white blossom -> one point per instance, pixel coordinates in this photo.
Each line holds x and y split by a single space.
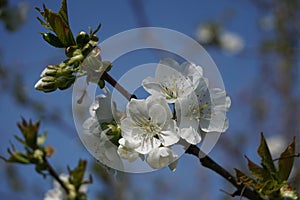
126 150
149 124
100 111
58 193
170 80
161 157
208 114
231 42
95 137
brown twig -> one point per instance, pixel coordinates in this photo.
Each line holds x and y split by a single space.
116 85
53 173
207 162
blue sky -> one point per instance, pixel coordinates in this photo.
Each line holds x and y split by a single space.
25 50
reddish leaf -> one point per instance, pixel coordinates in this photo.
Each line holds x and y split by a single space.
286 161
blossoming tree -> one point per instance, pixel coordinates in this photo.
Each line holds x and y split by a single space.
182 109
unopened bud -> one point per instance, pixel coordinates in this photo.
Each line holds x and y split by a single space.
64 82
45 86
38 154
82 38
50 70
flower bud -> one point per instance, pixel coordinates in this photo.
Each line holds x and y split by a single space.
64 82
70 50
49 150
50 70
82 38
45 86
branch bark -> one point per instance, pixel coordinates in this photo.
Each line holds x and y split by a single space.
209 163
53 173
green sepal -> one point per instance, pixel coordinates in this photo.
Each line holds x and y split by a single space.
114 132
101 83
96 30
52 40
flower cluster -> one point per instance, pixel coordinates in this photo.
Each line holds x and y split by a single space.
181 108
83 56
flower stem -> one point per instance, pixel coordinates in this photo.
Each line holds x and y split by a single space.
207 162
53 173
116 85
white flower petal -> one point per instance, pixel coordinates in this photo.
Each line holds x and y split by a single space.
161 157
170 81
169 62
153 100
128 144
191 135
147 145
126 126
193 72
137 108
126 151
155 121
152 86
92 126
158 114
169 135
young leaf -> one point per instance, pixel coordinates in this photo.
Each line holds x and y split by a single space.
63 11
58 23
266 158
261 174
61 29
77 174
286 161
52 40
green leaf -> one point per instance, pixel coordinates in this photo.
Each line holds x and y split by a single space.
261 174
266 158
58 23
20 140
44 24
61 29
17 157
52 40
286 161
63 11
77 174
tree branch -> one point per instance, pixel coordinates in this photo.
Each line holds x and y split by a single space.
116 85
55 175
207 162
